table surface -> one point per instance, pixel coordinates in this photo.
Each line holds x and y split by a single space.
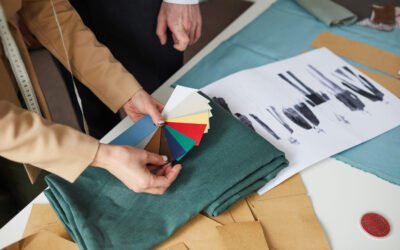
340 193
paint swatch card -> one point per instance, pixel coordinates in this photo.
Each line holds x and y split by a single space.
187 118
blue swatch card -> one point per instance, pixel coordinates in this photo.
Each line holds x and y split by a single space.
136 133
174 146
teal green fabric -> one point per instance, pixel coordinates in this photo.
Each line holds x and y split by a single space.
328 12
286 30
101 213
379 156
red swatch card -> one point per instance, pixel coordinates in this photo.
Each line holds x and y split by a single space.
191 130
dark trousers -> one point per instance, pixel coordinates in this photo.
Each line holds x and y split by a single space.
128 29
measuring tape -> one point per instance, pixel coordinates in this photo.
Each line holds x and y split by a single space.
17 65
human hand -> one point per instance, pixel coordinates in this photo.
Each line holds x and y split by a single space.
134 167
142 104
184 21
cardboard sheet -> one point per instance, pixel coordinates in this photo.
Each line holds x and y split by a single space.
43 217
288 218
240 212
292 186
44 231
290 223
43 240
199 233
179 246
243 235
363 53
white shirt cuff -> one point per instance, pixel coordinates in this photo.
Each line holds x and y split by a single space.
182 1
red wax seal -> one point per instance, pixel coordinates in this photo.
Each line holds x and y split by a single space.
375 224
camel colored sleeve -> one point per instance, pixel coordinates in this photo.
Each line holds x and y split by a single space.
28 138
91 62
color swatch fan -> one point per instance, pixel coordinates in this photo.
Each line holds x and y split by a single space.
187 115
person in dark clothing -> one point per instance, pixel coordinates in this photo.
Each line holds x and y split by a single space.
146 36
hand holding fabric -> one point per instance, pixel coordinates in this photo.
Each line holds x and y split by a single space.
184 21
136 168
143 104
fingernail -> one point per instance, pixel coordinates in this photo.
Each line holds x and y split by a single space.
165 158
160 122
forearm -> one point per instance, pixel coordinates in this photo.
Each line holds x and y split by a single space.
28 138
91 62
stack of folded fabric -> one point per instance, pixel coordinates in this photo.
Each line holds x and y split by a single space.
101 213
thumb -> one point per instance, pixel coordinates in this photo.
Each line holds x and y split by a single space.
181 39
156 159
155 115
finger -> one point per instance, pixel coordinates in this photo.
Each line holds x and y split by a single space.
153 169
158 170
198 31
155 191
192 34
161 30
166 180
181 38
156 160
155 115
163 170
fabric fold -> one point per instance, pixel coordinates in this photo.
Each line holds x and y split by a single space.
328 12
101 213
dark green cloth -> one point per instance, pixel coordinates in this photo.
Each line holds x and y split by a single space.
230 163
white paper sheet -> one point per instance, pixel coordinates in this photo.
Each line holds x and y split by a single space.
331 117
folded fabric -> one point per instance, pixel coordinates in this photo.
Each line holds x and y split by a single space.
328 12
101 213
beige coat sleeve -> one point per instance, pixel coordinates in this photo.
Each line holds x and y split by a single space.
91 62
28 138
